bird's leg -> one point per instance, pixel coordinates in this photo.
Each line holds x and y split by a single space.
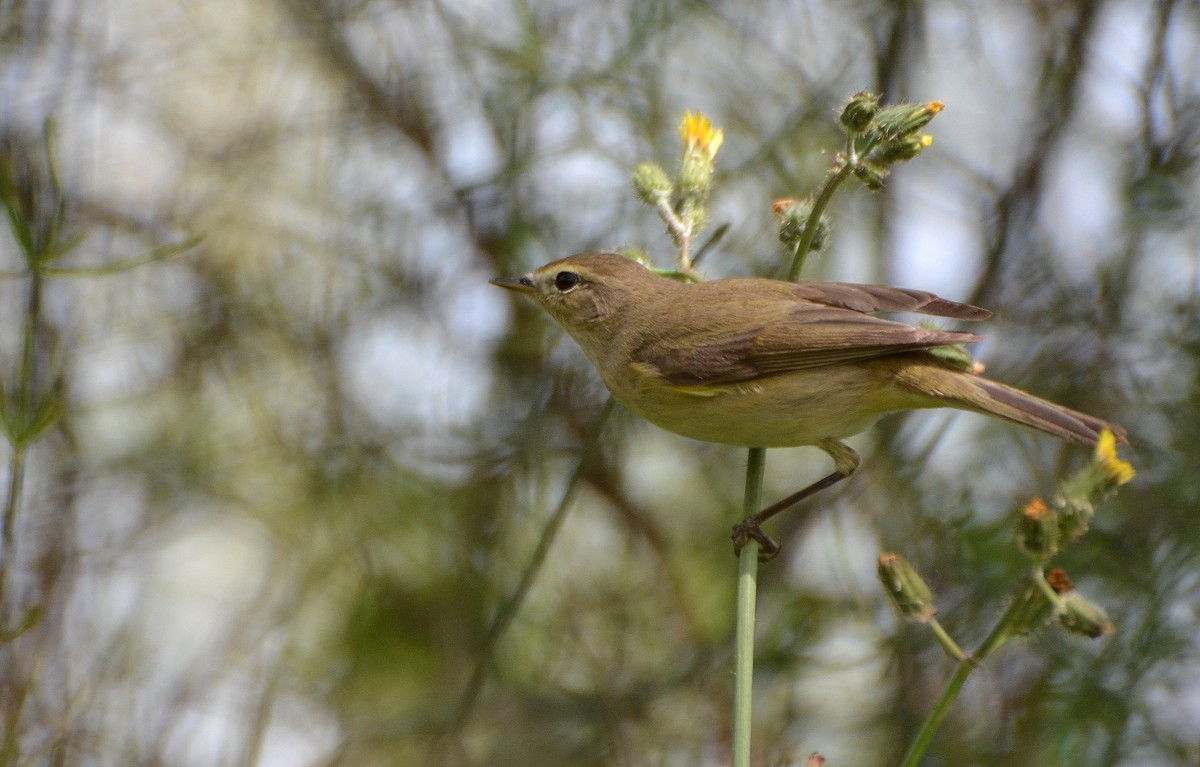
845 462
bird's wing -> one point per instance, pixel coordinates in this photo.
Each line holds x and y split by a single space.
806 335
869 299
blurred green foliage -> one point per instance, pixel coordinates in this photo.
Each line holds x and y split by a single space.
295 471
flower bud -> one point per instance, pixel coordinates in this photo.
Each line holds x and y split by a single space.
871 175
1079 495
1038 530
901 149
695 177
781 206
793 218
651 183
860 111
1059 580
1081 617
907 590
1031 612
905 119
700 144
1074 515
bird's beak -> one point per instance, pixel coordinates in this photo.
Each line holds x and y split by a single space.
518 284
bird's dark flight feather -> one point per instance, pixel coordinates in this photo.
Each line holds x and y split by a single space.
820 324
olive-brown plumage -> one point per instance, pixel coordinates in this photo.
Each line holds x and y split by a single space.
767 363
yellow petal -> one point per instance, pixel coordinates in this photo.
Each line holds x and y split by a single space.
698 135
1106 456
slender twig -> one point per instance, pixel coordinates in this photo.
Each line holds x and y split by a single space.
158 254
508 611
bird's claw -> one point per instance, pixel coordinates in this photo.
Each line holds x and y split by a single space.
747 529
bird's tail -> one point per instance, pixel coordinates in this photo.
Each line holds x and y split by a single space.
1017 406
972 392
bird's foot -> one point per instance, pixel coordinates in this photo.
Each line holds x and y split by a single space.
749 529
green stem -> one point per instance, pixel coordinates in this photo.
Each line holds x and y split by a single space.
743 660
1000 635
814 219
929 729
20 415
158 254
747 590
680 233
1039 579
8 547
947 642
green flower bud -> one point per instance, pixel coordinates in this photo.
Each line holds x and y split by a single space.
1038 530
793 218
695 176
1032 611
905 119
1074 515
1081 617
860 111
700 144
871 175
907 590
901 149
652 183
1089 486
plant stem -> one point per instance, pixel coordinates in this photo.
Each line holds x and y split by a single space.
947 642
680 232
21 415
8 545
743 659
814 218
747 590
998 636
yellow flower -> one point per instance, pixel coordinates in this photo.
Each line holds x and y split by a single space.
699 137
1114 468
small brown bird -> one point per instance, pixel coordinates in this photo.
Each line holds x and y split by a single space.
769 363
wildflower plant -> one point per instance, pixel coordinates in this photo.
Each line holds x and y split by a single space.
877 137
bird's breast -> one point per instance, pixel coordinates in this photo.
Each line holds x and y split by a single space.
798 408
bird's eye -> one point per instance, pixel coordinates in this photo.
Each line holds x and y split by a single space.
564 281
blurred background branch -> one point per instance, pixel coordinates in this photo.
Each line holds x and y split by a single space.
293 471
